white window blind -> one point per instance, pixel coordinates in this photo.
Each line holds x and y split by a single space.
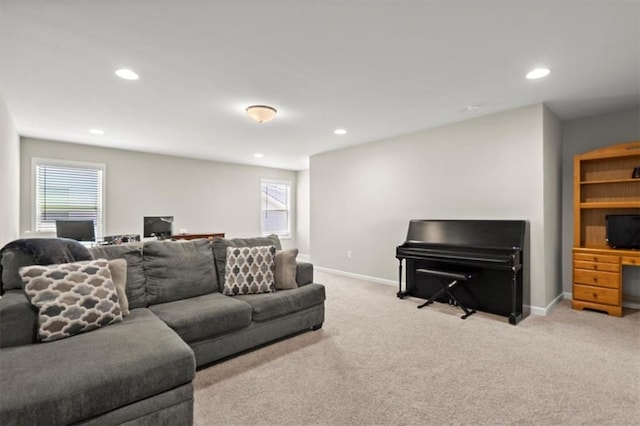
65 191
275 208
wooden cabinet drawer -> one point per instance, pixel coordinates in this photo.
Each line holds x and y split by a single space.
596 278
596 294
608 267
588 257
630 260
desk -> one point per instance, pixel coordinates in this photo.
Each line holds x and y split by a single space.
210 237
597 278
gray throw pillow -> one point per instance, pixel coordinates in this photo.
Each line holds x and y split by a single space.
286 269
118 269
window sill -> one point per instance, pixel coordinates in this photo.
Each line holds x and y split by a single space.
280 236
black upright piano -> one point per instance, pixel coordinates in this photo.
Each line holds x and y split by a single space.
493 252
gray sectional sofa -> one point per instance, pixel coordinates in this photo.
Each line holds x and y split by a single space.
139 370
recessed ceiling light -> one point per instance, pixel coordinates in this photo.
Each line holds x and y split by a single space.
258 155
127 74
340 131
96 132
538 73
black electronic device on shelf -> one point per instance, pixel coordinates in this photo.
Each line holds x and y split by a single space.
623 231
160 227
79 230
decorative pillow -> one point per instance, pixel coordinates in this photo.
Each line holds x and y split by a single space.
220 246
71 298
286 269
118 269
250 270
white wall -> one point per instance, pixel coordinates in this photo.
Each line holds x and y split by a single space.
203 196
579 136
492 167
552 175
303 226
9 177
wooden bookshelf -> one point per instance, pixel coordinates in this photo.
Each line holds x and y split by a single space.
602 186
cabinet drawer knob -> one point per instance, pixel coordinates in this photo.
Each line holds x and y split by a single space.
595 267
595 295
595 279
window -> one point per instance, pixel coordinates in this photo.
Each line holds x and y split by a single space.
67 191
275 205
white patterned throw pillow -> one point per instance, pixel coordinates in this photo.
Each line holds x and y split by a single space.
249 270
71 298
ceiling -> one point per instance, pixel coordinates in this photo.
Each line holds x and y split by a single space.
375 68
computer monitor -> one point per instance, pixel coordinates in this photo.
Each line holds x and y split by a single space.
160 227
79 230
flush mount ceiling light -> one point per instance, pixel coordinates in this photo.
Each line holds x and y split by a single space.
538 73
258 155
340 131
261 113
127 74
96 131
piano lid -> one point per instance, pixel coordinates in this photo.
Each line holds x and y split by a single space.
499 234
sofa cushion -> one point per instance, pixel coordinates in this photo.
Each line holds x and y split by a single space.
286 269
132 253
220 250
71 298
268 306
69 380
18 319
178 270
36 251
202 317
250 270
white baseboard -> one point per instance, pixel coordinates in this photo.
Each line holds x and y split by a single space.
357 276
632 302
536 310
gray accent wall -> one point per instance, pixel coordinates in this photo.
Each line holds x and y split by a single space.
579 136
9 177
203 196
491 167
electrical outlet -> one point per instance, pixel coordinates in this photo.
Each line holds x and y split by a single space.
349 254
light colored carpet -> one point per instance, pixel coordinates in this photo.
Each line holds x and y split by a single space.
379 360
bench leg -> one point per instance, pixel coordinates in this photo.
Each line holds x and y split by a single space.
445 290
467 312
438 294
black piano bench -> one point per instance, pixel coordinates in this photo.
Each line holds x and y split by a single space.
454 278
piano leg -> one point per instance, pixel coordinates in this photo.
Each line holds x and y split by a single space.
400 294
514 317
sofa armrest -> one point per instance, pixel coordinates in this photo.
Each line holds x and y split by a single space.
304 273
18 320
